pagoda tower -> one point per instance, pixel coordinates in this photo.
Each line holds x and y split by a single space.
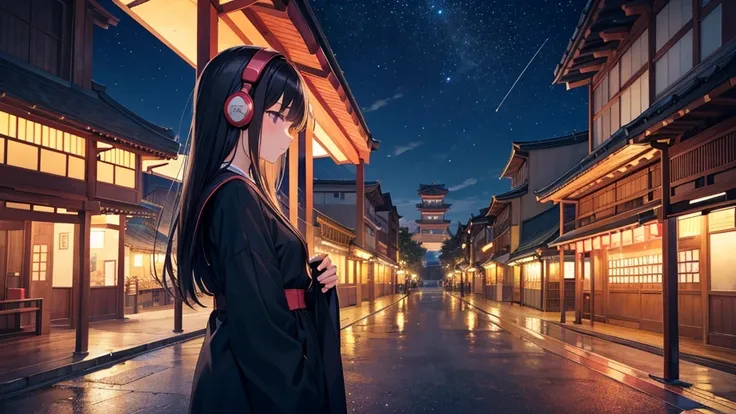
433 225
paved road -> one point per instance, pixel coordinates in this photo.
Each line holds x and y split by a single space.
429 353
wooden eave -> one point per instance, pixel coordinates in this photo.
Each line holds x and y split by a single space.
288 28
602 27
516 160
59 121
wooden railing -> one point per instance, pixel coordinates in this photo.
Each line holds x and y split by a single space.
18 307
710 156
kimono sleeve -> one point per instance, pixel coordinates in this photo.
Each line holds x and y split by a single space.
261 326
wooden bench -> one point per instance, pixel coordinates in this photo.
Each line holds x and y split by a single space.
21 306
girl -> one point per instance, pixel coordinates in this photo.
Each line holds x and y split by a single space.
265 350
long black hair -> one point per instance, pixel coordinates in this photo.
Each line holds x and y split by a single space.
211 140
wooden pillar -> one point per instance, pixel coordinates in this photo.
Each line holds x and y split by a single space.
360 204
294 182
82 335
579 280
670 322
561 271
592 287
669 300
309 188
543 286
120 311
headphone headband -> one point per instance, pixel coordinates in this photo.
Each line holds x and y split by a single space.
239 106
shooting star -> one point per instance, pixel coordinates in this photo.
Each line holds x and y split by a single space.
521 74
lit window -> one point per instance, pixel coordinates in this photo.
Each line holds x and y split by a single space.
138 260
688 226
97 239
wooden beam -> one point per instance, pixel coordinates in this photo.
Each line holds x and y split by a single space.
610 35
234 27
637 8
592 68
608 53
309 186
320 73
270 10
262 28
301 25
232 6
135 3
576 84
360 204
206 34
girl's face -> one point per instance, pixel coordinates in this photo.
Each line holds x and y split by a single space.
275 135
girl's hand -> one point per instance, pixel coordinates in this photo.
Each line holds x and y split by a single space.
328 278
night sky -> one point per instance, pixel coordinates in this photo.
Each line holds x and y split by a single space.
428 75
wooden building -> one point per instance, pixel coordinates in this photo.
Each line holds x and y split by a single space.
370 271
521 268
70 169
655 232
198 30
432 226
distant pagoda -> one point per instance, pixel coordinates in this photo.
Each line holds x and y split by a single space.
433 227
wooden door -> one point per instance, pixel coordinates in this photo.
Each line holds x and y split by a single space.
41 261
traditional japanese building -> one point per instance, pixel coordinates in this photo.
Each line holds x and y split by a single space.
368 268
521 268
70 171
654 230
433 225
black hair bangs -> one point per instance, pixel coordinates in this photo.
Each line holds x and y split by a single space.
288 85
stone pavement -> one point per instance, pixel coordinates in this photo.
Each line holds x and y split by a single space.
28 361
708 382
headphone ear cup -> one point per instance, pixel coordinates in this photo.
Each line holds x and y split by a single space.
239 109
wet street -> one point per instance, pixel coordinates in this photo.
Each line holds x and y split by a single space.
428 353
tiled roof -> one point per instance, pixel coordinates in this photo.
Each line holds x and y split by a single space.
513 193
141 234
89 108
537 231
432 189
640 215
718 68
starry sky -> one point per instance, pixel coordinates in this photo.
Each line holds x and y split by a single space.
428 74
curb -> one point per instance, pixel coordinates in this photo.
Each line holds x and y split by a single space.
683 399
28 383
717 364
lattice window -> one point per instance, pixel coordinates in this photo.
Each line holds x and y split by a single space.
688 266
39 262
116 166
34 146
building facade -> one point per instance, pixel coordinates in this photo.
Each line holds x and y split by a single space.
433 225
654 220
370 269
521 268
70 166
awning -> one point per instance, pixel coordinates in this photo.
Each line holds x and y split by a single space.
640 215
291 28
536 233
112 207
141 235
86 110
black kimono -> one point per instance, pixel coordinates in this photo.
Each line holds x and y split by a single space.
258 355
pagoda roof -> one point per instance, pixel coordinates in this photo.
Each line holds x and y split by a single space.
432 190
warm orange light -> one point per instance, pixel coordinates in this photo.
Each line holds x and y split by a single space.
486 247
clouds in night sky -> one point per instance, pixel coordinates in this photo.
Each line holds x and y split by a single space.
408 147
382 102
467 183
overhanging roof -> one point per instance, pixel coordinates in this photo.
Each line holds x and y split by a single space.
536 232
520 149
291 29
48 96
141 234
601 28
707 84
432 190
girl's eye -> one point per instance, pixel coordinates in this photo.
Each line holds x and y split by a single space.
275 116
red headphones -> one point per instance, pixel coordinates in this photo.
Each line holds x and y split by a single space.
239 106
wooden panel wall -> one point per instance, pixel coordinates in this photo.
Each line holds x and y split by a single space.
61 305
722 319
102 302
